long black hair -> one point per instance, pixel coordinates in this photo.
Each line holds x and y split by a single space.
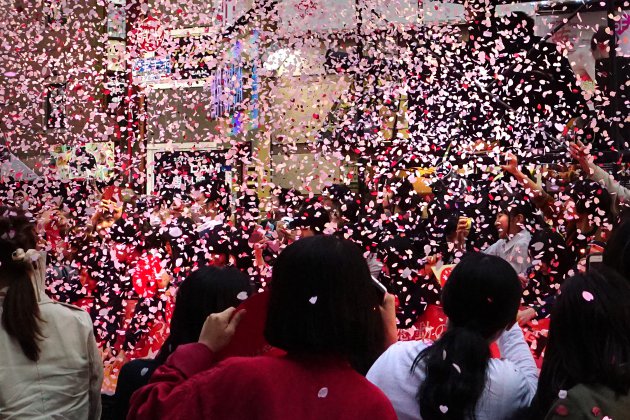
480 298
206 291
589 337
323 302
20 311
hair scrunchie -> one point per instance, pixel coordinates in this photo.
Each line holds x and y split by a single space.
21 255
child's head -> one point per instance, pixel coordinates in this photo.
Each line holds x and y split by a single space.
514 214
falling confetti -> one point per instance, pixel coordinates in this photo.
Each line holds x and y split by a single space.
149 141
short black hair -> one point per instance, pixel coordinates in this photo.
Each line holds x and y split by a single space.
515 203
405 196
549 247
128 231
323 302
404 279
206 291
591 198
338 192
600 37
313 216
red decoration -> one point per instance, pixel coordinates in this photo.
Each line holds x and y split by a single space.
149 35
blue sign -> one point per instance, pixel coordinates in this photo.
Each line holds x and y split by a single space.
151 69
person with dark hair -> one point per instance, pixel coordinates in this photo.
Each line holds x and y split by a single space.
611 98
312 219
180 242
455 378
402 205
581 153
109 265
49 363
208 290
402 275
551 261
514 214
216 244
617 251
585 371
589 217
333 197
324 311
211 200
64 282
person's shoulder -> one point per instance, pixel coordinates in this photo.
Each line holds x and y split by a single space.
139 365
251 365
504 374
138 368
68 311
376 403
400 355
594 401
406 349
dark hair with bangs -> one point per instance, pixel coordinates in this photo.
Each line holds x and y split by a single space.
206 291
323 302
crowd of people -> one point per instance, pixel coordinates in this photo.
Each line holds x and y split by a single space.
534 307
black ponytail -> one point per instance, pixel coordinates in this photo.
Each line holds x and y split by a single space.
20 312
455 369
480 298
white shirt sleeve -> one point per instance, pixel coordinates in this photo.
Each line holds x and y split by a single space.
392 374
611 184
374 265
514 348
495 248
519 257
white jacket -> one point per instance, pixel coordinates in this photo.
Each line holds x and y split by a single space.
66 381
510 385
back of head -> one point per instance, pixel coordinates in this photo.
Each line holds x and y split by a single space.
617 252
517 202
592 199
338 192
20 313
482 294
206 291
402 277
480 298
550 248
351 210
589 336
405 197
323 302
313 216
600 40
